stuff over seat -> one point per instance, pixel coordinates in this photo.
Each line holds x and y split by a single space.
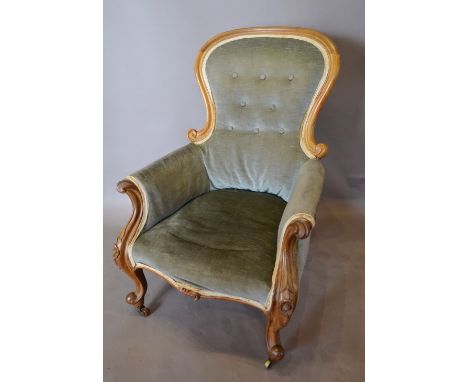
229 215
237 261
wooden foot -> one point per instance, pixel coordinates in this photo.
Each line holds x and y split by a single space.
132 300
286 289
274 348
121 257
137 298
276 353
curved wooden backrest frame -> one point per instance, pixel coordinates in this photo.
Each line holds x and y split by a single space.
285 281
332 59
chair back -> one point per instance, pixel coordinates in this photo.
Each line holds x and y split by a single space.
263 88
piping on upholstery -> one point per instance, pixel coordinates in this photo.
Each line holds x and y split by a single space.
311 104
202 292
144 217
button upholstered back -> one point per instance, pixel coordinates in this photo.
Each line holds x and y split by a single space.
263 84
262 87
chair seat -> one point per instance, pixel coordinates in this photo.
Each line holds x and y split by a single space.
223 241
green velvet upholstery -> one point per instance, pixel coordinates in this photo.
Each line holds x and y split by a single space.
262 88
205 226
223 241
264 82
172 181
303 201
266 162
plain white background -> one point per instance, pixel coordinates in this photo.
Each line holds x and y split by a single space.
51 198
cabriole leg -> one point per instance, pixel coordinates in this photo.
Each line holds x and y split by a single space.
286 289
136 298
274 348
125 237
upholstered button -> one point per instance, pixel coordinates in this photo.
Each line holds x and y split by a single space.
290 77
273 107
256 130
263 76
243 103
234 75
281 130
230 128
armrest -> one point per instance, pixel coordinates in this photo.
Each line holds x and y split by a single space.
293 243
302 205
170 182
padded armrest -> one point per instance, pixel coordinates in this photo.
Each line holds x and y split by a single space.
170 182
303 203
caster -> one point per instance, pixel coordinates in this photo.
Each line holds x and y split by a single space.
268 363
144 311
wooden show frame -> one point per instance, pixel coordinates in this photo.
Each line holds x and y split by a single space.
285 283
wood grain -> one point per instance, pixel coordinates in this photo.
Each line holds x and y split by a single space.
126 236
286 286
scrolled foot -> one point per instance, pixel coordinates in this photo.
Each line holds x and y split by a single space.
276 353
138 304
132 299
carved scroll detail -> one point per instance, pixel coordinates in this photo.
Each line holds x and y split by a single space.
117 250
192 135
307 137
125 237
319 150
196 296
286 287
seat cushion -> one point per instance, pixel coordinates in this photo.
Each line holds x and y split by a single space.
222 241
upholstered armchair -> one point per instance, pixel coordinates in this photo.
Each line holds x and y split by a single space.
229 215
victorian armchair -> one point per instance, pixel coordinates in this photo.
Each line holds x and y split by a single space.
229 215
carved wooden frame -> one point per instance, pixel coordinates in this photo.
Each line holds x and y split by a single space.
307 135
284 290
285 286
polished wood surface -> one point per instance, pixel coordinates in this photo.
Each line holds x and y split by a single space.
286 283
307 134
135 270
126 236
286 287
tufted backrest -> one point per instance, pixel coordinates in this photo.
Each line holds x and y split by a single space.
260 86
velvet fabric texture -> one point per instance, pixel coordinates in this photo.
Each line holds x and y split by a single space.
303 202
204 226
172 181
266 162
262 88
223 241
263 82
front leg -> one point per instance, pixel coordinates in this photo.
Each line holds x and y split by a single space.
286 288
128 233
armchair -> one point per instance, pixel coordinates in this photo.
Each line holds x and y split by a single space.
229 215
